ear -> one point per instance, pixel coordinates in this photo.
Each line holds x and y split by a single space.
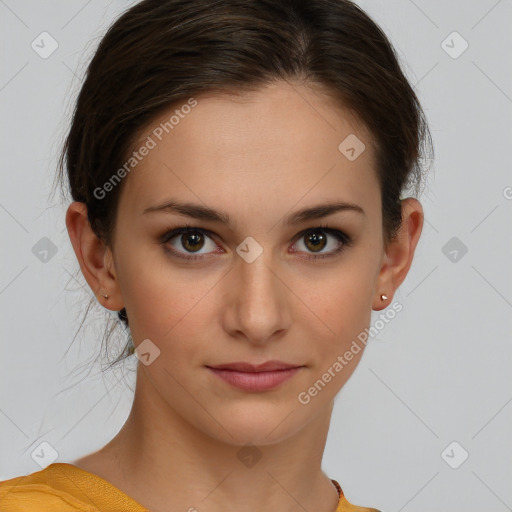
399 253
95 258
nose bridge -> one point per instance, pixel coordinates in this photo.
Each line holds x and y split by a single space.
255 272
258 297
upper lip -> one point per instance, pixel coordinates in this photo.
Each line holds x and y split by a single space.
267 366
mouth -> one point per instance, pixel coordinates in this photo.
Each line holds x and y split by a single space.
255 378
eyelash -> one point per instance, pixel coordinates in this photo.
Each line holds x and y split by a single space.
342 237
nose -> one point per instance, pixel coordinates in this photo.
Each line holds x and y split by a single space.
258 300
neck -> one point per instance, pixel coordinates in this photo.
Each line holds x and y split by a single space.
165 463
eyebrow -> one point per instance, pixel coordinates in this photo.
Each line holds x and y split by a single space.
197 211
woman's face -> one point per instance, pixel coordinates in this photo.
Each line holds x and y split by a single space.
268 285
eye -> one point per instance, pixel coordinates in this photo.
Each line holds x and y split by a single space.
316 239
192 240
190 243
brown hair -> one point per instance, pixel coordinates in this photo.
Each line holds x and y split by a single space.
161 52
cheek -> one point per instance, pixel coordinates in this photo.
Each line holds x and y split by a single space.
163 302
342 311
342 298
344 308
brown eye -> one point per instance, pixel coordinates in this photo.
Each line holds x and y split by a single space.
316 241
187 242
193 241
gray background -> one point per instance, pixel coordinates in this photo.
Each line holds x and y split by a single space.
439 372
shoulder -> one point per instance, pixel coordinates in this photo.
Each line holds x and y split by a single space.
345 506
63 487
37 491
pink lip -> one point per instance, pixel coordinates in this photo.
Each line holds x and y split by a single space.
242 366
255 377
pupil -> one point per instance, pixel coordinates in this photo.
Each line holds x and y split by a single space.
317 240
196 240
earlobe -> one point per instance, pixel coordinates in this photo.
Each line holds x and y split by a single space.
399 253
91 253
381 303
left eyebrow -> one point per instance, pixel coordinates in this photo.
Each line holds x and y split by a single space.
198 211
322 210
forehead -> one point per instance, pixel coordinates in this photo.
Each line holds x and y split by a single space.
271 147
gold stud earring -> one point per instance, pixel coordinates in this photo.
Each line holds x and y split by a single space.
383 298
105 295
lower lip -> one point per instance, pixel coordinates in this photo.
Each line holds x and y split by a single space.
255 381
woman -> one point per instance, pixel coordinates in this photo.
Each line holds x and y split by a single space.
236 168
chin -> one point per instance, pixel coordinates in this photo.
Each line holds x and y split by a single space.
260 425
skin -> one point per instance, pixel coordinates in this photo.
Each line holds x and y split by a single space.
259 157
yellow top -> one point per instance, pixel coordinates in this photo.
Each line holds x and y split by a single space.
62 487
